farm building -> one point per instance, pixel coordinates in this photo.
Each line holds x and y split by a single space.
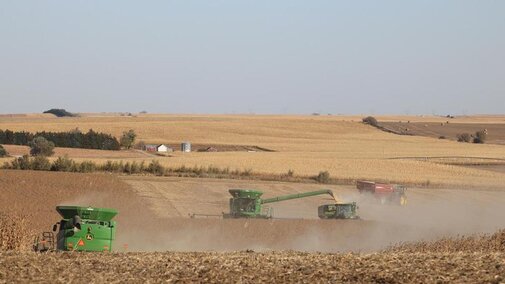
164 148
185 146
157 148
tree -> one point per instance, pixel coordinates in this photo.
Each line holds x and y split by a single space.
128 139
323 177
59 112
3 152
41 147
464 137
370 120
480 137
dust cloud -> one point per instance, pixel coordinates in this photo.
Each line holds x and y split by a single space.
430 214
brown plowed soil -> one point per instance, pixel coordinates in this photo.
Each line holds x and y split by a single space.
448 129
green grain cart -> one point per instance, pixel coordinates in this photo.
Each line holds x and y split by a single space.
247 203
338 211
80 229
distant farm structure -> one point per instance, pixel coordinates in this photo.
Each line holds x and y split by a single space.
186 146
157 148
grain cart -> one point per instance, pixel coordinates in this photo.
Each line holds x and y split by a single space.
384 193
247 203
338 211
80 229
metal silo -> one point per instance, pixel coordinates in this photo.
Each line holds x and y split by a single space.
186 146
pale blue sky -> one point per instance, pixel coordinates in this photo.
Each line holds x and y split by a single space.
349 57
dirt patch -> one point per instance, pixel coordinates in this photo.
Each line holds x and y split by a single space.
447 129
221 148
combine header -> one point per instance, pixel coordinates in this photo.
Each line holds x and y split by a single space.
80 229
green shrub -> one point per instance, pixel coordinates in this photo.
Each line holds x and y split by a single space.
113 167
247 172
62 164
156 168
3 152
464 137
40 163
323 177
22 163
87 167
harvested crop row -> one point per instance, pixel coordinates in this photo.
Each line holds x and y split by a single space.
250 267
483 243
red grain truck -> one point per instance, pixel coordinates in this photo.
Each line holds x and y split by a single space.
383 192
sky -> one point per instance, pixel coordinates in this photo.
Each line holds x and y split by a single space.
264 57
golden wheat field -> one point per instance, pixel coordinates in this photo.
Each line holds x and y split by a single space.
342 145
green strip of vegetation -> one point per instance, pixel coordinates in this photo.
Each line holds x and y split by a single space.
65 164
70 139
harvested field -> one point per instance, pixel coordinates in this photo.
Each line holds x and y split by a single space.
430 214
151 207
475 243
36 194
153 221
246 267
343 146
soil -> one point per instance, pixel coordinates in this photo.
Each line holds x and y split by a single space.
450 130
221 148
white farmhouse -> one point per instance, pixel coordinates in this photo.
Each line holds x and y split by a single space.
163 148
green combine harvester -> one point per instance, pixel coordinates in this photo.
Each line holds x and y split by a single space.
80 229
247 203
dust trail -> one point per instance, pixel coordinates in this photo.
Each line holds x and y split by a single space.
429 215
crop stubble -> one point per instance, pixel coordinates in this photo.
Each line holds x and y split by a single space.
306 144
459 261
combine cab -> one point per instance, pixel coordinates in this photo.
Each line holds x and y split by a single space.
81 229
338 211
384 193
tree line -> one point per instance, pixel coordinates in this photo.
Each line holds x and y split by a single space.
70 139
